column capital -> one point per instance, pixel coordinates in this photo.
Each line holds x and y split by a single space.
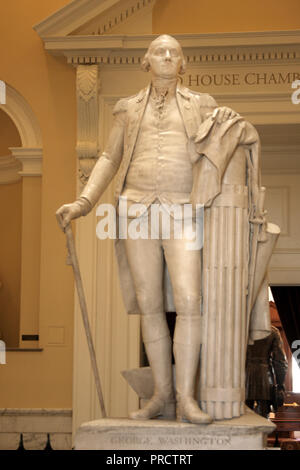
30 158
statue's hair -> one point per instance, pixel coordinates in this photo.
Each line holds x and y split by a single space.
145 62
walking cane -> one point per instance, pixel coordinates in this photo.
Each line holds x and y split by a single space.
73 260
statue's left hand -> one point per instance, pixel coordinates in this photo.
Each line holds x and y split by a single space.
223 113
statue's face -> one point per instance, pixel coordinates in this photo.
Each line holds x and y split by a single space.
165 58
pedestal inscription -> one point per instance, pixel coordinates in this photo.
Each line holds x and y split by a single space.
245 433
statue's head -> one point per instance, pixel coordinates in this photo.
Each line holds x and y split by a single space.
164 57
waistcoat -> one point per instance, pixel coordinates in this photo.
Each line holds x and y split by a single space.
160 168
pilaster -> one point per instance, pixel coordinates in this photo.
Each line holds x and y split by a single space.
87 90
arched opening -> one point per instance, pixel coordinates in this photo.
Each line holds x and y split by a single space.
20 196
10 233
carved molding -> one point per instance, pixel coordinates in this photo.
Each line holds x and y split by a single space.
23 117
79 13
206 49
36 426
31 160
87 88
122 12
25 160
72 16
9 170
193 58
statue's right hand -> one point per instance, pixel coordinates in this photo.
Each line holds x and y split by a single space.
66 213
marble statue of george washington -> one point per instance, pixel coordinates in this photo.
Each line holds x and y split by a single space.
174 146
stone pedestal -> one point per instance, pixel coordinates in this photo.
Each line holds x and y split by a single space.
247 432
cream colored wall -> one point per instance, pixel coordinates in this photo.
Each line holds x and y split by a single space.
43 379
10 241
31 249
205 16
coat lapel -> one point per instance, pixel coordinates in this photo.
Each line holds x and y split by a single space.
136 108
135 117
185 106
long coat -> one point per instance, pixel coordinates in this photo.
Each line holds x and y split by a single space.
128 113
216 144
